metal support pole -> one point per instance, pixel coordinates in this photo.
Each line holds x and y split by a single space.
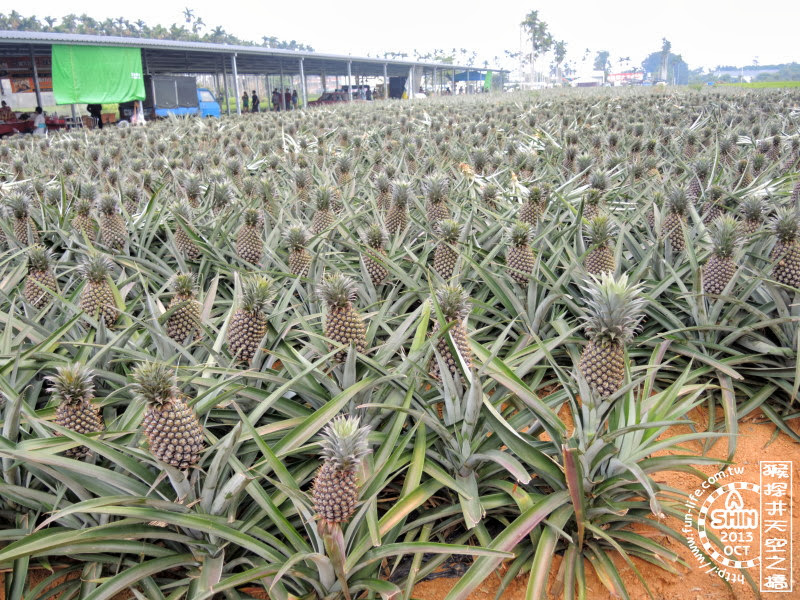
35 78
282 96
350 80
225 84
324 79
468 81
303 84
385 82
411 82
268 95
236 85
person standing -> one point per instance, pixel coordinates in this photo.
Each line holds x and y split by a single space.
287 100
255 102
39 124
276 100
96 110
245 102
294 99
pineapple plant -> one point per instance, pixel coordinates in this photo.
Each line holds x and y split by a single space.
183 223
40 282
445 256
184 322
436 191
714 206
343 324
73 387
720 267
600 257
532 209
397 217
520 258
335 488
454 306
344 170
383 186
82 222
752 210
24 227
701 170
193 188
113 232
375 238
591 205
614 309
248 324
97 298
173 431
786 252
323 218
302 184
249 245
675 220
296 238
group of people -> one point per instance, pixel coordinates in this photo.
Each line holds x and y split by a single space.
280 101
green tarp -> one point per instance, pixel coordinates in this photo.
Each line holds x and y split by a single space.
97 74
487 82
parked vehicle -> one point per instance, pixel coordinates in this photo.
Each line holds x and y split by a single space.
172 95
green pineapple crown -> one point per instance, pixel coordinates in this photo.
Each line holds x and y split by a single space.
192 186
601 230
337 290
344 443
256 295
181 210
183 284
536 194
752 208
436 188
73 383
96 267
786 226
702 168
520 234
19 204
449 231
108 205
296 237
598 181
453 301
489 192
725 235
375 236
401 193
344 164
88 191
593 197
678 203
382 183
614 308
253 218
83 207
39 258
324 198
302 178
154 382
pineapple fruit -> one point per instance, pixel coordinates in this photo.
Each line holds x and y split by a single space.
248 325
173 431
185 321
183 223
397 217
614 310
40 283
113 232
520 258
786 252
675 220
343 324
752 211
445 256
24 227
532 209
600 257
720 268
375 238
436 191
73 387
97 298
335 489
82 222
323 218
249 245
296 238
454 305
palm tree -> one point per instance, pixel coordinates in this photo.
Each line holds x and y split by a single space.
539 36
50 22
560 53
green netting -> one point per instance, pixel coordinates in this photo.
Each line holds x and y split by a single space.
97 74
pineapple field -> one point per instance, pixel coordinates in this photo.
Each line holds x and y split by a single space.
330 354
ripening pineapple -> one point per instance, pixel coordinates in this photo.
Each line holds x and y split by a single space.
82 222
436 191
533 208
173 432
185 321
720 267
344 170
489 195
714 206
97 298
454 305
445 256
397 217
520 258
786 228
248 324
591 204
323 218
335 488
302 184
73 387
614 310
24 227
375 239
675 220
343 325
113 232
384 191
249 245
296 238
697 179
193 188
183 223
600 257
744 174
752 210
40 283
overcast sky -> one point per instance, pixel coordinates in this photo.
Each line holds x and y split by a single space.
705 32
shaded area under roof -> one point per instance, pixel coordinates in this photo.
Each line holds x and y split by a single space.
169 56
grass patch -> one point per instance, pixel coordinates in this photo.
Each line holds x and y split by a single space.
764 84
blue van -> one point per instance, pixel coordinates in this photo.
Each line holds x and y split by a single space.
173 95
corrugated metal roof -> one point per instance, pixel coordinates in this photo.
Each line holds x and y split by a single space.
39 37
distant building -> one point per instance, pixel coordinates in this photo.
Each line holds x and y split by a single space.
626 78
